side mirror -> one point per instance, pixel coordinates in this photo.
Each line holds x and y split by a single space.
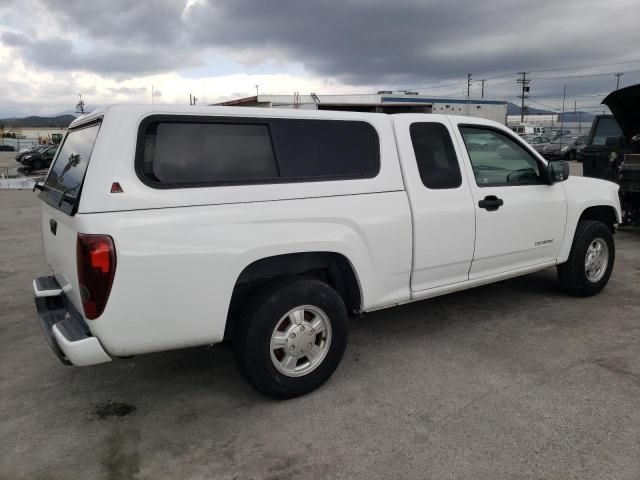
557 171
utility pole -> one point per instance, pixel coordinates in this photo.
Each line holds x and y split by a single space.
564 95
80 105
256 90
152 95
482 94
580 122
618 75
468 84
192 100
525 90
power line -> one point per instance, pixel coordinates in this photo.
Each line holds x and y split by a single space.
583 67
508 74
604 74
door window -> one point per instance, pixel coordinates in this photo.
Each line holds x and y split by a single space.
499 160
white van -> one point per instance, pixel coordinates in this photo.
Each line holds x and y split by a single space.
525 129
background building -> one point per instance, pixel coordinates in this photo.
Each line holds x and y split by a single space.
383 102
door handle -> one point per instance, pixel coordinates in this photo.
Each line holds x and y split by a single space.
491 203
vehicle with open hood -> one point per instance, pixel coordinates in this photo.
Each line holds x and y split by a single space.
613 148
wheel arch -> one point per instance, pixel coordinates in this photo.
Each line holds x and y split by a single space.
332 267
601 212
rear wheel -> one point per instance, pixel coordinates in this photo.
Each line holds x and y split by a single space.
590 262
291 337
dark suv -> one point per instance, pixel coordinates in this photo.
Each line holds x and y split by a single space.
613 148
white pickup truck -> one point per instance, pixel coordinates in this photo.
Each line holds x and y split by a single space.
171 227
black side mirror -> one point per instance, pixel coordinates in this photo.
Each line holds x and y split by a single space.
557 171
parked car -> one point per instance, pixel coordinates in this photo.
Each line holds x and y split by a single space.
29 150
559 133
580 148
564 148
538 142
180 226
613 148
7 148
39 159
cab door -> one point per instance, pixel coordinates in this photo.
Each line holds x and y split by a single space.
442 207
520 218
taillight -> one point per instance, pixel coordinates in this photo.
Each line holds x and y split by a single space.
96 259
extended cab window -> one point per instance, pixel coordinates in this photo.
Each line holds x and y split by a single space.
498 159
435 155
219 151
64 182
200 152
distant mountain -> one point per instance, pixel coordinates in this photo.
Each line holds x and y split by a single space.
59 121
513 109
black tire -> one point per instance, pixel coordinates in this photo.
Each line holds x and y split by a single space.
258 320
37 165
572 274
571 156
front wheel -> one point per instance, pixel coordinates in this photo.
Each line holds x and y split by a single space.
590 262
291 337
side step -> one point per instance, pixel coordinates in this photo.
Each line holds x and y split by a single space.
46 287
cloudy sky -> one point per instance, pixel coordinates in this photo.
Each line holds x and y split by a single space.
115 51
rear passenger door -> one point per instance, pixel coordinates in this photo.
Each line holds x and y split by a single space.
441 203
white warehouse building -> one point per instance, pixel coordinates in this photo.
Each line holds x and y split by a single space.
384 102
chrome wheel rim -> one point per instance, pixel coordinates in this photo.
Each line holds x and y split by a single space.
596 260
300 341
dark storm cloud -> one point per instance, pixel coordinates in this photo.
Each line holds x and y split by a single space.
118 38
405 42
14 39
376 42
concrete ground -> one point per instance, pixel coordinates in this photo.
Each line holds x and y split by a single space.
8 159
512 380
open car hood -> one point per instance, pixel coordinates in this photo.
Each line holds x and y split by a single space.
625 106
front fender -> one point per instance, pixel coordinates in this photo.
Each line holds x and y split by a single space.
583 193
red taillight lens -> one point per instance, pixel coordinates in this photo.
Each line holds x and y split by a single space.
96 259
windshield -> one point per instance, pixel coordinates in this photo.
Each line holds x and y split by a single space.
63 184
606 128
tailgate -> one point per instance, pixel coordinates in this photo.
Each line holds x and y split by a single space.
61 195
59 235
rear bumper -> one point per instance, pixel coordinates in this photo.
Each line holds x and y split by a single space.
65 330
